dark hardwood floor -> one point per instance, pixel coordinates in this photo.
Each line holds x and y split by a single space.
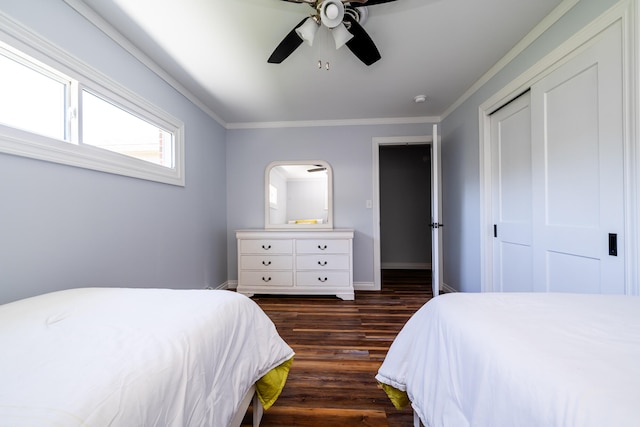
339 347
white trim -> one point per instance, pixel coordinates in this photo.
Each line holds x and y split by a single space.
448 289
375 172
26 144
229 284
364 286
93 17
631 55
536 32
625 11
334 123
90 15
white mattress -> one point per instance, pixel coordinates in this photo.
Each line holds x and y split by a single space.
132 357
521 360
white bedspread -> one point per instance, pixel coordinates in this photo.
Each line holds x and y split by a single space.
504 360
132 357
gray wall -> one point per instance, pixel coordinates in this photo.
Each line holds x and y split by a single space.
348 149
460 153
64 227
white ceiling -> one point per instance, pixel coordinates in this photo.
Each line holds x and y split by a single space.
218 50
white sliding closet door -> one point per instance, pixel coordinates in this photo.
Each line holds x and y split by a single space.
578 192
512 196
558 178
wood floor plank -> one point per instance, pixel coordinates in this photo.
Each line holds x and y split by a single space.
339 347
307 417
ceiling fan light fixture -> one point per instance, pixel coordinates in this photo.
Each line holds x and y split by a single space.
331 13
308 30
341 35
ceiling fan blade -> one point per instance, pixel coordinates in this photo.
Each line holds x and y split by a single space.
361 44
369 2
286 46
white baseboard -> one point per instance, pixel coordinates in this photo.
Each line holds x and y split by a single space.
364 286
225 285
405 266
448 289
358 286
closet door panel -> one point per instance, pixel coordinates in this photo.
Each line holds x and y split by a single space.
577 155
512 208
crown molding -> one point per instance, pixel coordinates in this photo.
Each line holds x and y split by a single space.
532 36
99 22
336 123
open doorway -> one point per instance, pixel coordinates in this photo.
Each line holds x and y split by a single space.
405 207
403 237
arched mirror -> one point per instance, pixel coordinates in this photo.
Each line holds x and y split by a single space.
298 194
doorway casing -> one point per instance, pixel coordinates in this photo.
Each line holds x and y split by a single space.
377 142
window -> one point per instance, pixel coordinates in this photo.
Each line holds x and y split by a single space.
110 127
33 99
81 117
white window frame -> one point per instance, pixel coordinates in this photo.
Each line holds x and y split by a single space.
71 151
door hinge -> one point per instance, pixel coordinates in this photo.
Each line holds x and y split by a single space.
435 225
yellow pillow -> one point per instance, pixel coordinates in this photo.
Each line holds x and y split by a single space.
306 221
270 386
399 398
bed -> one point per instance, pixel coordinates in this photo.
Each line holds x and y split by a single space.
137 357
510 359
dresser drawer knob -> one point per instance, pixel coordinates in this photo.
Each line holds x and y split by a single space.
266 248
266 263
322 280
322 263
266 279
322 247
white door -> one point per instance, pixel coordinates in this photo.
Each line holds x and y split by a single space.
436 226
578 192
558 178
512 196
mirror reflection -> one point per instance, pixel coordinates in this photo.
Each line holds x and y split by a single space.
298 194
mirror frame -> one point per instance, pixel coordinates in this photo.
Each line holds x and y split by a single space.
267 215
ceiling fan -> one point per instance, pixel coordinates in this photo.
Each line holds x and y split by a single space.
344 18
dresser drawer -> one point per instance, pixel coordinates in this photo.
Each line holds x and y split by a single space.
265 278
322 278
323 262
319 246
266 262
295 262
266 246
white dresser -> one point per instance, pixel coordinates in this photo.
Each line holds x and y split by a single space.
296 262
